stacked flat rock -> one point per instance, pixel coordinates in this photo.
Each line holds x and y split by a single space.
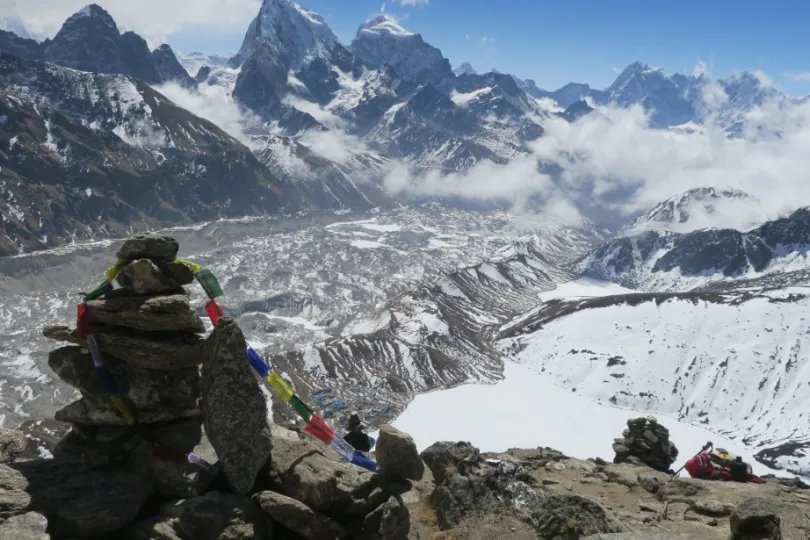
151 342
646 442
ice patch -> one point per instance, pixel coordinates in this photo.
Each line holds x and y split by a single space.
584 288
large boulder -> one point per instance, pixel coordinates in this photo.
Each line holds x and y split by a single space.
28 526
59 332
561 517
445 458
768 519
12 445
149 246
391 521
298 517
142 388
214 516
166 351
176 478
645 442
143 276
397 454
235 410
459 496
299 470
99 413
163 313
76 502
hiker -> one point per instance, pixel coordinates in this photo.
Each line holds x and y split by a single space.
720 465
356 435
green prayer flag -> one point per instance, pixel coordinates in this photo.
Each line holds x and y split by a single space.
301 408
209 283
100 291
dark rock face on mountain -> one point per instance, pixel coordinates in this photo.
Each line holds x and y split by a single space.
577 110
284 36
107 151
664 95
90 41
711 253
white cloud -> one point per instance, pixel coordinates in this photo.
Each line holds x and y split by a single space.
333 145
327 118
487 39
802 76
153 19
213 104
616 149
412 2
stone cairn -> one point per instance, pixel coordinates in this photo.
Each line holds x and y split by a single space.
645 442
190 395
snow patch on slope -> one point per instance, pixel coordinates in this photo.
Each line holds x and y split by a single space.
527 410
738 366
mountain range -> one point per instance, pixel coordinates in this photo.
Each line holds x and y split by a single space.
387 98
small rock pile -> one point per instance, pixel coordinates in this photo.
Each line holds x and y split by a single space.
189 393
645 442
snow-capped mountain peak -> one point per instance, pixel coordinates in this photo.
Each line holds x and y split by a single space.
384 25
289 31
700 208
383 40
90 11
465 69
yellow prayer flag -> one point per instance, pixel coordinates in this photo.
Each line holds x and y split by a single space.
123 409
280 386
194 267
112 271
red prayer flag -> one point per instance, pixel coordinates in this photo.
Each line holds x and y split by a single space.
214 311
318 429
83 321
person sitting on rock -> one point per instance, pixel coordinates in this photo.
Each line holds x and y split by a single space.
356 435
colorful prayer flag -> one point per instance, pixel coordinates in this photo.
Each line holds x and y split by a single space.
318 429
214 311
194 267
209 283
112 272
99 291
343 448
95 353
123 409
284 391
83 321
301 408
258 364
107 379
361 460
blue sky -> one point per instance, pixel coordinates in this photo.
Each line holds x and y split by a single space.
550 42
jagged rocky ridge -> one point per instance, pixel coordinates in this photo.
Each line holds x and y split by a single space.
299 79
89 40
85 154
661 260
